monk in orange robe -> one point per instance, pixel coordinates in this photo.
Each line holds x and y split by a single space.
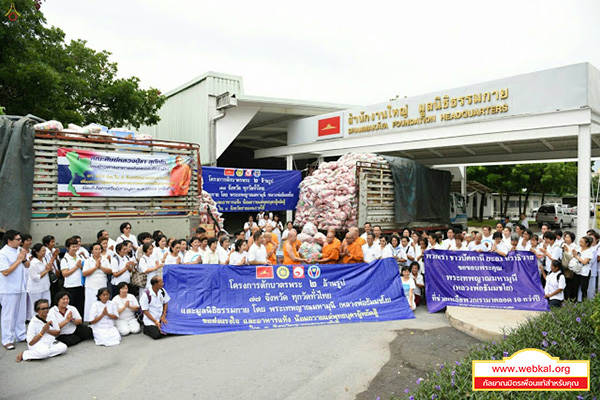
290 252
352 252
271 248
181 175
356 234
331 249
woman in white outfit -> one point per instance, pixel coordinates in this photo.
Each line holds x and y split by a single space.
149 265
41 335
126 304
105 314
38 282
95 270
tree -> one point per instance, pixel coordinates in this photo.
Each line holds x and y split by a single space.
40 74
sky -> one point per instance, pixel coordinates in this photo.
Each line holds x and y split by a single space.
356 53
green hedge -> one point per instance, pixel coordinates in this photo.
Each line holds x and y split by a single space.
570 333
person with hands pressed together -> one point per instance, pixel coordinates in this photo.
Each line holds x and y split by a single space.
154 302
149 265
127 305
352 251
69 321
331 249
555 284
38 284
552 251
41 335
71 266
95 269
290 251
105 314
13 296
121 267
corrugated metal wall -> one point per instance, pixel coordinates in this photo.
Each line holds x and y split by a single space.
186 115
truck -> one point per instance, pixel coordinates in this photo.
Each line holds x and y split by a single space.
63 217
376 201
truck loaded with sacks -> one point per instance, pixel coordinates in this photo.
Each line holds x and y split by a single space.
391 192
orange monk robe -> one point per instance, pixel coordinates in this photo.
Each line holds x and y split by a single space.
273 259
360 240
297 244
356 253
287 259
180 180
332 251
274 240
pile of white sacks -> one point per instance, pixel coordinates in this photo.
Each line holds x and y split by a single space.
328 196
208 204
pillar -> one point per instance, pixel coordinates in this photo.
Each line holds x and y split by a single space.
584 165
289 160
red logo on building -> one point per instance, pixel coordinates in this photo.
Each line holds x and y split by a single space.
329 126
264 272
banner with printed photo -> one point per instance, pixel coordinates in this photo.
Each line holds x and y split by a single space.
223 298
489 280
243 189
97 174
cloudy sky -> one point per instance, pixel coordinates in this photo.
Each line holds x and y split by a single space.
332 51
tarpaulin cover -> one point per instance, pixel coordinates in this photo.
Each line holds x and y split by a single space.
489 280
421 193
222 298
16 173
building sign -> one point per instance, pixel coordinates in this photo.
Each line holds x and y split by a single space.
393 116
243 189
330 127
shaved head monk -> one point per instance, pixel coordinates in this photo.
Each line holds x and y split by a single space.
290 253
331 249
352 251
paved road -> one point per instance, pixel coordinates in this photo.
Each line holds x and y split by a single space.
327 362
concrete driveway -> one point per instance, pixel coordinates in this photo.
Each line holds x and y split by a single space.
328 362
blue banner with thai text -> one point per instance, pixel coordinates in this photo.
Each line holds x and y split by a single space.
488 280
223 298
242 189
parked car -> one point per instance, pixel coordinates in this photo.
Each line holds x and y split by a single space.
553 215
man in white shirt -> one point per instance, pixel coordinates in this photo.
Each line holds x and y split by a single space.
507 223
153 303
377 233
367 227
555 285
523 221
111 245
407 251
248 227
371 249
449 241
13 296
478 245
257 254
487 236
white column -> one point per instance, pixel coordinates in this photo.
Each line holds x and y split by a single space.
289 160
463 182
584 165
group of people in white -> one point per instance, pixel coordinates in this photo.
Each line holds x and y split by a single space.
115 287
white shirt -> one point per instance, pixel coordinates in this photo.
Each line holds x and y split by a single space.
127 314
155 306
159 253
105 322
98 278
487 240
15 282
418 281
236 257
525 223
586 268
73 280
520 246
35 282
503 248
552 284
449 243
481 246
371 253
56 317
82 253
223 254
171 259
556 253
192 256
48 257
594 262
249 227
210 257
463 247
131 238
405 252
257 253
146 263
118 263
387 251
35 328
109 244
